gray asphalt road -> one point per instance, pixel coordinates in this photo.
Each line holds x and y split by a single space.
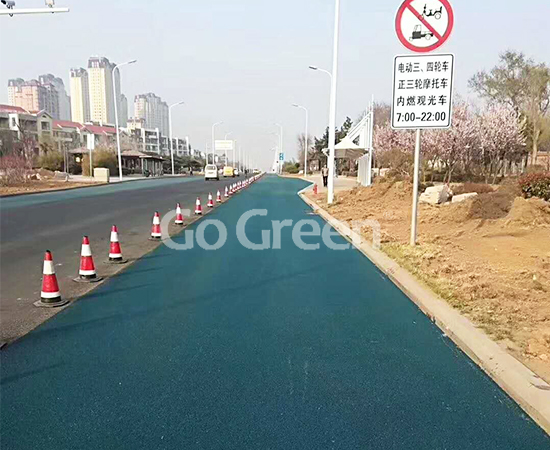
56 221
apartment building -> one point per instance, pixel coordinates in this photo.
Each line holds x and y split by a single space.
62 103
80 95
153 110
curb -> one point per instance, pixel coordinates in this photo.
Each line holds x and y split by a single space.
526 388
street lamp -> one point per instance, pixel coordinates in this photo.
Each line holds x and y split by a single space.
281 146
332 113
321 70
213 144
306 138
226 136
115 99
170 124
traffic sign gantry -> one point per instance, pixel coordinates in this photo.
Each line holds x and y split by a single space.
424 25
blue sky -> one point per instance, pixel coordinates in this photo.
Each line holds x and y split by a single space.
245 62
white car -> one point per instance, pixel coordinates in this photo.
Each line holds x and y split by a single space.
236 172
211 172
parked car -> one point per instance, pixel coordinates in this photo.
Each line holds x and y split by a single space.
228 171
211 172
236 171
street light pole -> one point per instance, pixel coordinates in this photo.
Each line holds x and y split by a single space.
306 138
226 136
332 117
115 99
281 150
213 144
170 125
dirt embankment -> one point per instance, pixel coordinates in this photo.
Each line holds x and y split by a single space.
489 257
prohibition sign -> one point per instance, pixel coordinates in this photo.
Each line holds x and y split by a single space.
424 25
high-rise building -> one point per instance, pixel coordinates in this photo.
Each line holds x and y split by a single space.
123 111
31 95
45 94
14 86
62 103
80 96
100 77
153 110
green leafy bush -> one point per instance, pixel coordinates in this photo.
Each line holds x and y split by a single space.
101 157
536 184
51 160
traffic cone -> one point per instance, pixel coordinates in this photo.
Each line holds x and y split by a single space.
87 273
210 203
226 194
115 252
50 297
218 197
179 215
155 229
198 207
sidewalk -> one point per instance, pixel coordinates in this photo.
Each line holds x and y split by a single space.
341 183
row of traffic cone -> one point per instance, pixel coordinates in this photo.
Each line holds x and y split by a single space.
50 295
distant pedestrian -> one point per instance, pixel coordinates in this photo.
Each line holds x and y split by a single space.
324 173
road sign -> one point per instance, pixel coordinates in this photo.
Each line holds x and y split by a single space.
422 91
281 156
224 146
424 25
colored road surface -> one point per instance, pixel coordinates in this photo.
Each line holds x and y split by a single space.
242 349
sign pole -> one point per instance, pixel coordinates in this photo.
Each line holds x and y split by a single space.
414 219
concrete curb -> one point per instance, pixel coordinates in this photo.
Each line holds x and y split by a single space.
530 391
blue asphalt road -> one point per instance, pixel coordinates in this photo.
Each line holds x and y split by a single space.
242 349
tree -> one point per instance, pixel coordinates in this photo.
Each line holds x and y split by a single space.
500 138
522 84
301 148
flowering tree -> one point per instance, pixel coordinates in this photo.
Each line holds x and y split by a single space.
500 138
394 149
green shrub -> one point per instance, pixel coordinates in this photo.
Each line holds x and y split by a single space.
101 157
51 160
292 169
536 184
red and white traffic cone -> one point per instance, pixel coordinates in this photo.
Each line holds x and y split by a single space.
179 215
231 189
87 273
226 194
156 234
218 197
210 203
198 207
50 296
115 252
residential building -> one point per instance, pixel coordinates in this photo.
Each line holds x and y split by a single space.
29 95
100 78
80 95
14 86
123 111
63 102
45 94
18 125
153 110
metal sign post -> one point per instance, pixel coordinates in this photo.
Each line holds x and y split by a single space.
422 84
90 141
